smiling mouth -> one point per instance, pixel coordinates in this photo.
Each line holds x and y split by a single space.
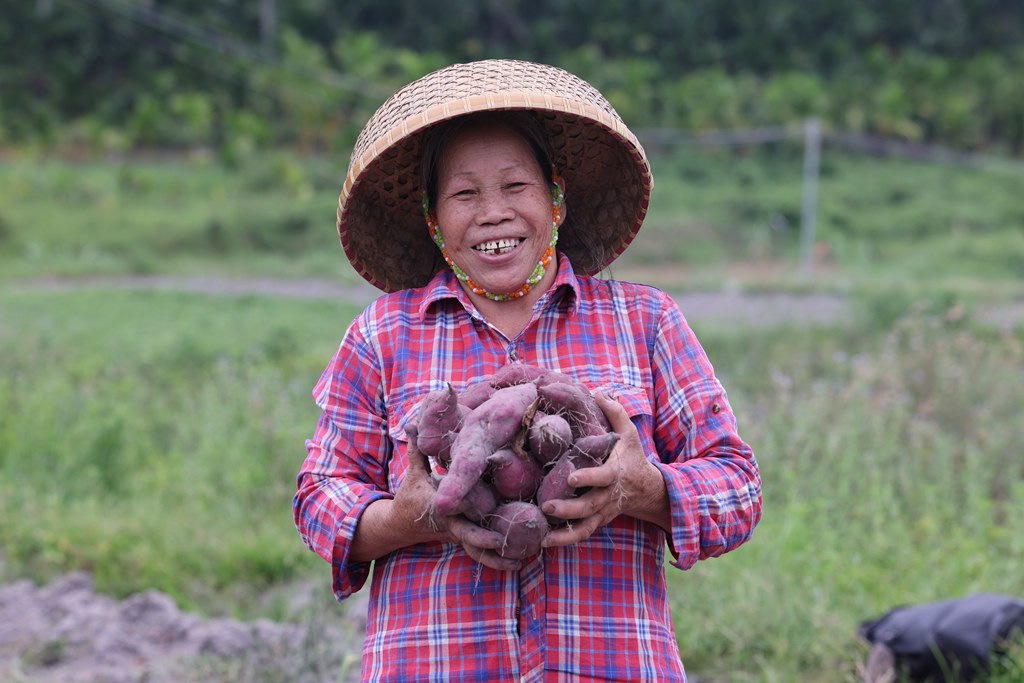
497 247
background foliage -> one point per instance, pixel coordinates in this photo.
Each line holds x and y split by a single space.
117 73
152 437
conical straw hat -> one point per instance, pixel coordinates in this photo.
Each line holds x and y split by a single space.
606 172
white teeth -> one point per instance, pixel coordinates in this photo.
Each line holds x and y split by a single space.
496 247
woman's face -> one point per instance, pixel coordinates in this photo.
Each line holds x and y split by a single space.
494 207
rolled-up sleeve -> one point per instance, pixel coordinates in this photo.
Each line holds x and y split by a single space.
346 459
711 474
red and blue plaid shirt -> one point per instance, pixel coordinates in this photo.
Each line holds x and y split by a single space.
598 610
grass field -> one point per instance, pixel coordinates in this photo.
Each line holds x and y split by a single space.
716 216
153 437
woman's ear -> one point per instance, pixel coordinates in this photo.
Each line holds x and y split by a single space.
558 196
558 188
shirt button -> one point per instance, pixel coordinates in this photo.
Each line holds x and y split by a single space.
715 408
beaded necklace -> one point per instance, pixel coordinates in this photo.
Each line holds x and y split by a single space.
538 271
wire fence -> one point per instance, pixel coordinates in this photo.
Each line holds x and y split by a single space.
813 136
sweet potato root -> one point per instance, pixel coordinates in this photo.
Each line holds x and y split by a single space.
516 373
555 485
574 402
548 438
513 476
478 503
439 420
475 394
518 437
490 426
523 526
591 451
587 451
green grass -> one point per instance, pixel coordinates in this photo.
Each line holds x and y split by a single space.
153 438
274 216
877 221
892 474
716 215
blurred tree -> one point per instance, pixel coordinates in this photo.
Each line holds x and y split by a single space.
945 70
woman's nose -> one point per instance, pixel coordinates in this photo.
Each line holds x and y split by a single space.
494 207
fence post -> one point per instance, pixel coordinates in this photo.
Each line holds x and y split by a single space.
809 203
268 23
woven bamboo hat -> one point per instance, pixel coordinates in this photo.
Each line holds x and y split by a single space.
607 176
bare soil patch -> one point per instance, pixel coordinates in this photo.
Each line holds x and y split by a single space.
66 632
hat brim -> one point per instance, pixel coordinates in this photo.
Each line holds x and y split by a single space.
606 172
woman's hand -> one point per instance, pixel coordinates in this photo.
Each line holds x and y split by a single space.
481 544
412 508
627 483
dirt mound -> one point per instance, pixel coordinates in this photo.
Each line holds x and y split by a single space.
66 632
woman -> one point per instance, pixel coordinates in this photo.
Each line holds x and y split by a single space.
483 198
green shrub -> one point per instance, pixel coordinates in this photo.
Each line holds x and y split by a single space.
891 476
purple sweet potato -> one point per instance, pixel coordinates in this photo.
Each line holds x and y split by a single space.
479 502
591 451
555 485
523 526
554 377
549 436
490 426
444 456
575 403
515 373
475 394
439 418
587 451
513 476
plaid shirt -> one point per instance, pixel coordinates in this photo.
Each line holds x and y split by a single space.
598 610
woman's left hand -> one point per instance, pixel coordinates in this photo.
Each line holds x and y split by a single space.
626 484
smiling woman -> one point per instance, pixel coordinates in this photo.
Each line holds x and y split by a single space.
495 217
490 260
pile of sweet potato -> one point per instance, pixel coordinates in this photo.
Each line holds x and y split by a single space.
505 446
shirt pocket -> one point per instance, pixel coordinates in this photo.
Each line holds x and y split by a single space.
634 399
400 417
404 408
404 413
637 403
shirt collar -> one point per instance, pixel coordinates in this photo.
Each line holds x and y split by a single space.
444 285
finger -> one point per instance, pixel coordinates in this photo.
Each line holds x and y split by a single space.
480 544
576 531
468 533
592 502
418 461
602 476
491 559
613 410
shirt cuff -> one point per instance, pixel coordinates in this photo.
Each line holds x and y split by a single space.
349 576
714 507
